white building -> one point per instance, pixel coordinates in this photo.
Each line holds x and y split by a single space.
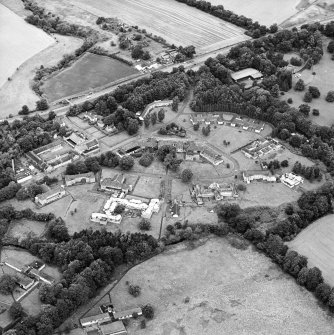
105 218
291 180
153 207
95 319
258 175
50 196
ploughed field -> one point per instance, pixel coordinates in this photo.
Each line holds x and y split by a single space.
18 42
89 72
174 21
316 242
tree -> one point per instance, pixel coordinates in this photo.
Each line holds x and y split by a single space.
196 126
153 118
186 175
206 130
175 104
15 310
313 279
119 209
146 160
7 284
300 85
52 115
144 224
171 162
273 28
285 163
137 52
24 110
161 115
42 105
330 47
148 311
133 126
134 290
305 109
314 91
323 292
227 211
147 121
330 96
307 97
126 163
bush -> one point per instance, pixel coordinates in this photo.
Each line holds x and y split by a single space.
314 91
186 175
308 97
330 47
330 96
148 311
241 187
315 112
119 209
126 163
15 310
144 224
196 126
146 160
284 163
296 61
7 284
134 290
290 101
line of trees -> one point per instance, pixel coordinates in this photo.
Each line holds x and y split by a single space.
308 172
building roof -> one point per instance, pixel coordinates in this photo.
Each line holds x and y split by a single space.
23 279
112 328
250 173
95 318
92 143
49 193
122 314
80 175
76 139
116 182
245 73
37 264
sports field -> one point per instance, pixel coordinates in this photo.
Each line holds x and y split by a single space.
89 72
229 291
176 22
18 42
265 11
316 242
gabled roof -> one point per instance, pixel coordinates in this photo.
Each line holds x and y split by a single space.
49 193
122 314
80 175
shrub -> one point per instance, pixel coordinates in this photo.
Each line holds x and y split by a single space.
241 187
15 310
144 224
307 97
330 96
7 284
314 91
196 126
315 112
134 290
119 209
148 311
146 160
296 61
284 163
290 101
186 175
330 47
142 324
126 163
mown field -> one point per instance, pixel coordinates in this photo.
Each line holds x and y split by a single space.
18 42
265 11
89 72
176 22
230 292
316 242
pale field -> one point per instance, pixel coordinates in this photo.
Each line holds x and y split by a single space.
17 92
316 242
324 80
230 292
147 187
265 12
18 42
176 22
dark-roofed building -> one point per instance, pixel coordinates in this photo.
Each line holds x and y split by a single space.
114 328
116 183
82 178
50 196
246 76
193 152
95 319
45 278
38 265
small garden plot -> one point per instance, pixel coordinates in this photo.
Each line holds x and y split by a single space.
147 187
89 72
267 194
21 229
113 140
316 243
215 286
80 123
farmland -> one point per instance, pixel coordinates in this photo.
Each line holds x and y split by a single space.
176 22
89 72
19 44
241 291
316 243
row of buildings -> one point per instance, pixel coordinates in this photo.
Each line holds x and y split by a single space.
218 119
289 179
97 122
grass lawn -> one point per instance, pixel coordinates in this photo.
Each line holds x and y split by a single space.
156 168
147 187
110 141
324 80
31 303
23 228
230 291
316 243
89 72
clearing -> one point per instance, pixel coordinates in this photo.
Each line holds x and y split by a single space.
229 290
316 243
18 42
265 11
89 72
176 22
22 229
323 70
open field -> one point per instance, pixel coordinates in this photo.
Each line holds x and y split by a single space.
230 291
147 187
31 303
316 242
324 80
265 11
89 72
18 42
165 18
